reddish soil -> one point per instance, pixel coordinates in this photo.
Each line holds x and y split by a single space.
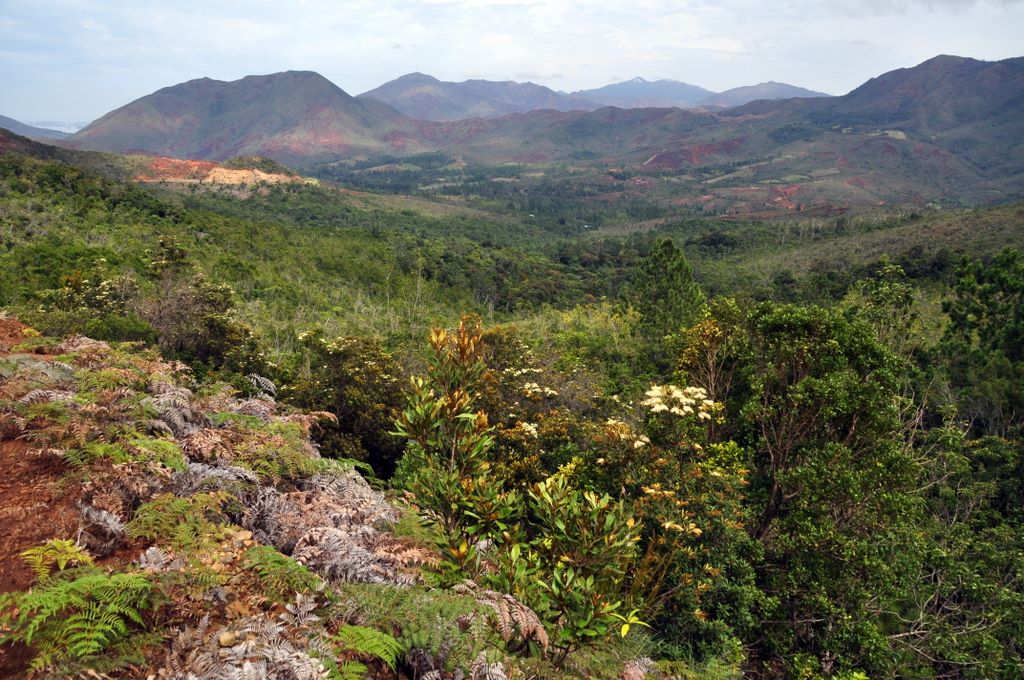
161 169
35 509
693 155
782 196
173 168
10 334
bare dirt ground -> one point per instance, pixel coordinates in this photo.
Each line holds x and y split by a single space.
35 506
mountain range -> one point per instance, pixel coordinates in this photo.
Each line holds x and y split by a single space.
949 129
639 93
738 96
426 98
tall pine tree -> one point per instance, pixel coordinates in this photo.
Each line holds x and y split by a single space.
664 292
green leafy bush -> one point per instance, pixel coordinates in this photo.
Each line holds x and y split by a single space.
445 464
565 554
357 381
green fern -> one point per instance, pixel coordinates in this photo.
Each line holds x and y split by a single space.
281 576
95 451
57 552
77 615
161 451
279 452
184 523
346 670
370 642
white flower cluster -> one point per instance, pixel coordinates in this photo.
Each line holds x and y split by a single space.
528 428
516 372
679 401
532 389
623 432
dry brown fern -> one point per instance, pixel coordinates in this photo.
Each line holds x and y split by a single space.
255 647
80 343
481 669
512 615
48 396
307 420
206 445
11 425
339 555
258 408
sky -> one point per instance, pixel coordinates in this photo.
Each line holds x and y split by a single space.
74 60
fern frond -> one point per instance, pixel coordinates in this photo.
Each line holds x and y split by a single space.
300 613
184 523
280 575
370 642
55 552
102 531
262 385
68 619
483 670
511 613
48 397
349 670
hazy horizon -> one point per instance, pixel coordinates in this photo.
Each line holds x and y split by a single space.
75 60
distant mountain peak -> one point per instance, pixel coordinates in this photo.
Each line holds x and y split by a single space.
738 96
287 115
948 59
416 77
427 98
640 92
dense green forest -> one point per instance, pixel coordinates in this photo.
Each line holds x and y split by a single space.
703 447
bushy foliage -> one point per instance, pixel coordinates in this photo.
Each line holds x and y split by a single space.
357 381
445 464
95 302
573 566
816 401
565 555
963 616
984 341
665 293
193 316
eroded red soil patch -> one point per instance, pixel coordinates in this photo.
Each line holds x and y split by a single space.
36 507
188 171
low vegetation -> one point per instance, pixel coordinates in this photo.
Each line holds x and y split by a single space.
298 434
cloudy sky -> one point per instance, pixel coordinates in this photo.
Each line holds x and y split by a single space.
73 60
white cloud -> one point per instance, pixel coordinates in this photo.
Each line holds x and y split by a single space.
80 58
